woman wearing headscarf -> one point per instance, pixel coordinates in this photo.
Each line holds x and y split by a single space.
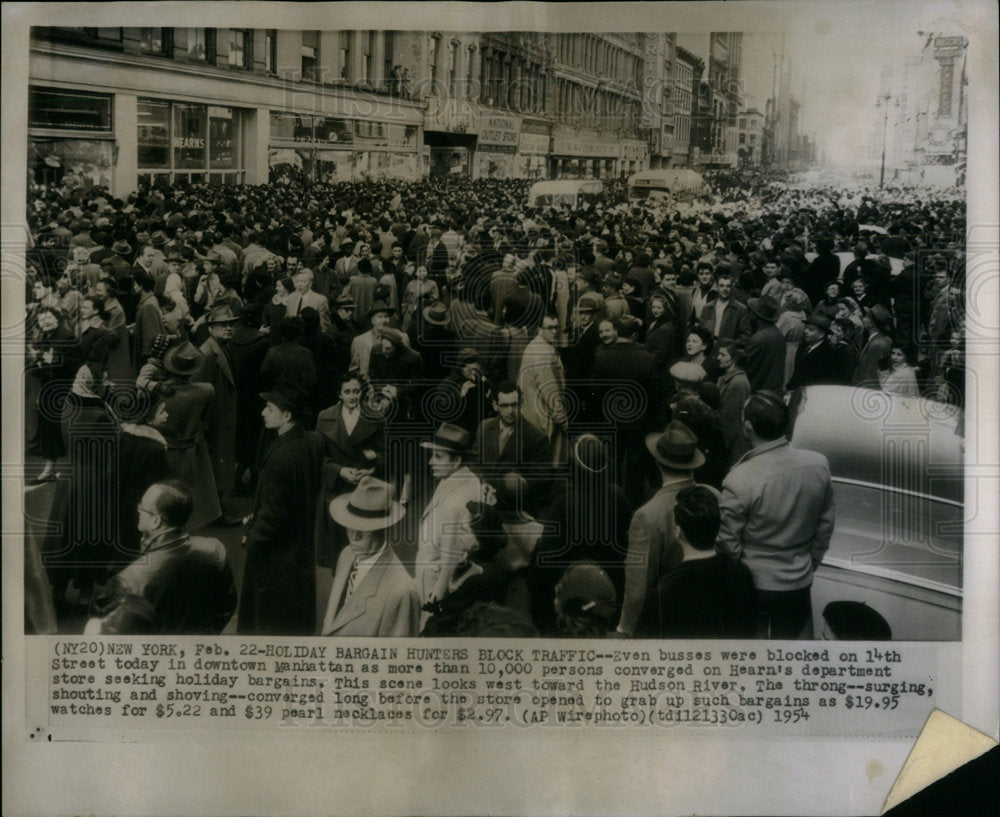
466 395
394 368
142 457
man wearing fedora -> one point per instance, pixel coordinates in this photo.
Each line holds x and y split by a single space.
219 371
445 534
379 315
342 330
372 593
777 518
875 353
279 578
578 355
816 361
652 550
766 348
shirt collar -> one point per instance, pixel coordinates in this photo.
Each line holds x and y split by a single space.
169 537
764 447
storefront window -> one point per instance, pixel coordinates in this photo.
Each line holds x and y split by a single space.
154 133
334 131
221 138
189 135
334 166
202 137
71 163
69 110
291 126
335 149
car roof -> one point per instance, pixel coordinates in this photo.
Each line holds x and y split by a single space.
909 444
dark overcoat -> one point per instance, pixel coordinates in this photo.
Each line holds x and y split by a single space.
279 577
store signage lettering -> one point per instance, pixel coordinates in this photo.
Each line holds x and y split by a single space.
633 152
534 143
581 146
196 142
502 131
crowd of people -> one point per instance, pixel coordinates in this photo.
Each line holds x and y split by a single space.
479 416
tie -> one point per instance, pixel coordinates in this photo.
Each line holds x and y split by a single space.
351 578
298 306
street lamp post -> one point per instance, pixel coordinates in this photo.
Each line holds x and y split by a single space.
884 100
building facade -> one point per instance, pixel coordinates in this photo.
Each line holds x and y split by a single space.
128 106
718 97
749 138
686 77
596 106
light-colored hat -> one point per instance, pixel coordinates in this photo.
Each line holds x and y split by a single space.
371 506
687 372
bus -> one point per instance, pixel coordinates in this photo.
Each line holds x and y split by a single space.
679 183
573 193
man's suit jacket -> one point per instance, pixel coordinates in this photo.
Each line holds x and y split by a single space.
384 602
148 324
652 551
619 369
874 353
445 531
527 449
766 359
819 365
297 302
735 320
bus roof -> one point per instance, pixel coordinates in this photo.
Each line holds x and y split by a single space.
567 186
680 178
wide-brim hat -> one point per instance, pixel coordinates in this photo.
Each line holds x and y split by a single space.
449 437
158 239
370 506
590 302
345 301
765 308
436 313
687 372
881 316
819 320
380 306
220 315
184 359
676 448
286 395
121 248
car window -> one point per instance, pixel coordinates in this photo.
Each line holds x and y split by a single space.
916 538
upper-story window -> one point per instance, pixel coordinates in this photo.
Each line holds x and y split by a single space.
310 54
240 48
